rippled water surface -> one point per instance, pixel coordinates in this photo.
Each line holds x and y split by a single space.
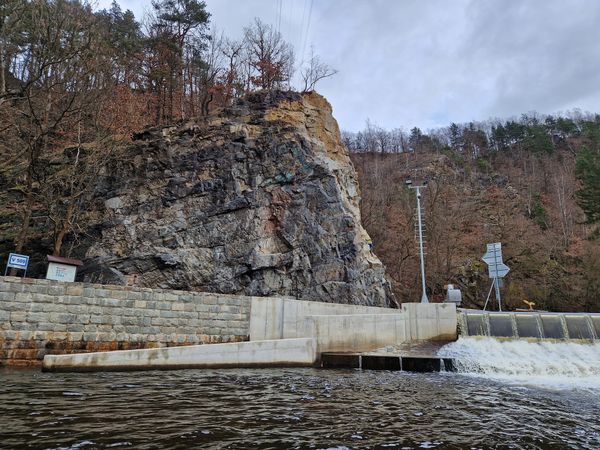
289 408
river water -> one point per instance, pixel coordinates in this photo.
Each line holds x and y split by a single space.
298 408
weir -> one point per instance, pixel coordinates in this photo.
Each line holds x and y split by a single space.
529 325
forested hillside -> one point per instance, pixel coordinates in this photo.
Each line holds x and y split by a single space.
531 183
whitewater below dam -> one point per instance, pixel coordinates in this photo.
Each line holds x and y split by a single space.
508 394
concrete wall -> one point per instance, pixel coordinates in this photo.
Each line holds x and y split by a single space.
350 327
356 333
430 321
283 353
39 317
284 318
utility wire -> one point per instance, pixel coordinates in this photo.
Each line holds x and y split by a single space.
307 30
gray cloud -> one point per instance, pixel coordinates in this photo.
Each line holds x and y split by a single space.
410 62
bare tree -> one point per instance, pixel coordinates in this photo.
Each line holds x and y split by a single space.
315 72
232 79
269 56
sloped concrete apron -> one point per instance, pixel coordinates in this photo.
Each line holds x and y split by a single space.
278 353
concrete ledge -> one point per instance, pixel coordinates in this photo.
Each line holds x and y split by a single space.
280 353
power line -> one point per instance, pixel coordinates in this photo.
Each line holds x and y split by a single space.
279 18
307 30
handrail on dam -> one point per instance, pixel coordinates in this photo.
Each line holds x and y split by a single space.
529 325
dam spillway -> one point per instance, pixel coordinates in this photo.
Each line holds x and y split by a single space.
530 325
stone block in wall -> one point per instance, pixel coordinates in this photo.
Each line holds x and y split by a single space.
36 317
4 316
76 309
57 336
108 302
18 316
135 296
11 296
75 289
200 307
100 293
74 300
107 337
119 295
56 290
50 326
162 305
10 335
140 304
13 306
44 307
42 298
74 336
19 326
209 299
15 287
170 297
90 336
232 301
129 321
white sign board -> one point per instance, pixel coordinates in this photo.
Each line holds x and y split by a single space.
493 258
61 272
18 261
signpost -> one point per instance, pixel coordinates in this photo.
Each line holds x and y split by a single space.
17 261
496 269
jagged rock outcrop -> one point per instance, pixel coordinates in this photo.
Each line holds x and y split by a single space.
257 199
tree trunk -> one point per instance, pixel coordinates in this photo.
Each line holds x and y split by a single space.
26 221
2 69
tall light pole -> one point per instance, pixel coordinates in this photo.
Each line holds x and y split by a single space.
424 298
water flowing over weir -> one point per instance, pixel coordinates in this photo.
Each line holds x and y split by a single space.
567 364
536 325
558 349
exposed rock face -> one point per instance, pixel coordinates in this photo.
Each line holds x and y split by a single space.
259 199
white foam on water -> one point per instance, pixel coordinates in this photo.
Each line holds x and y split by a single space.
560 365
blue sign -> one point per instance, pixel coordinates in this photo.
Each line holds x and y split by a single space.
18 261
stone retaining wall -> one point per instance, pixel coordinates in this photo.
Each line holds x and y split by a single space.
39 317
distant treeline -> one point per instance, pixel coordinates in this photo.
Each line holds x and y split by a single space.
531 132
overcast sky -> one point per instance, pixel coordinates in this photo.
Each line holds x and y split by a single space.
427 63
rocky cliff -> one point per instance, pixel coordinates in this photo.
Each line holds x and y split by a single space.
257 199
